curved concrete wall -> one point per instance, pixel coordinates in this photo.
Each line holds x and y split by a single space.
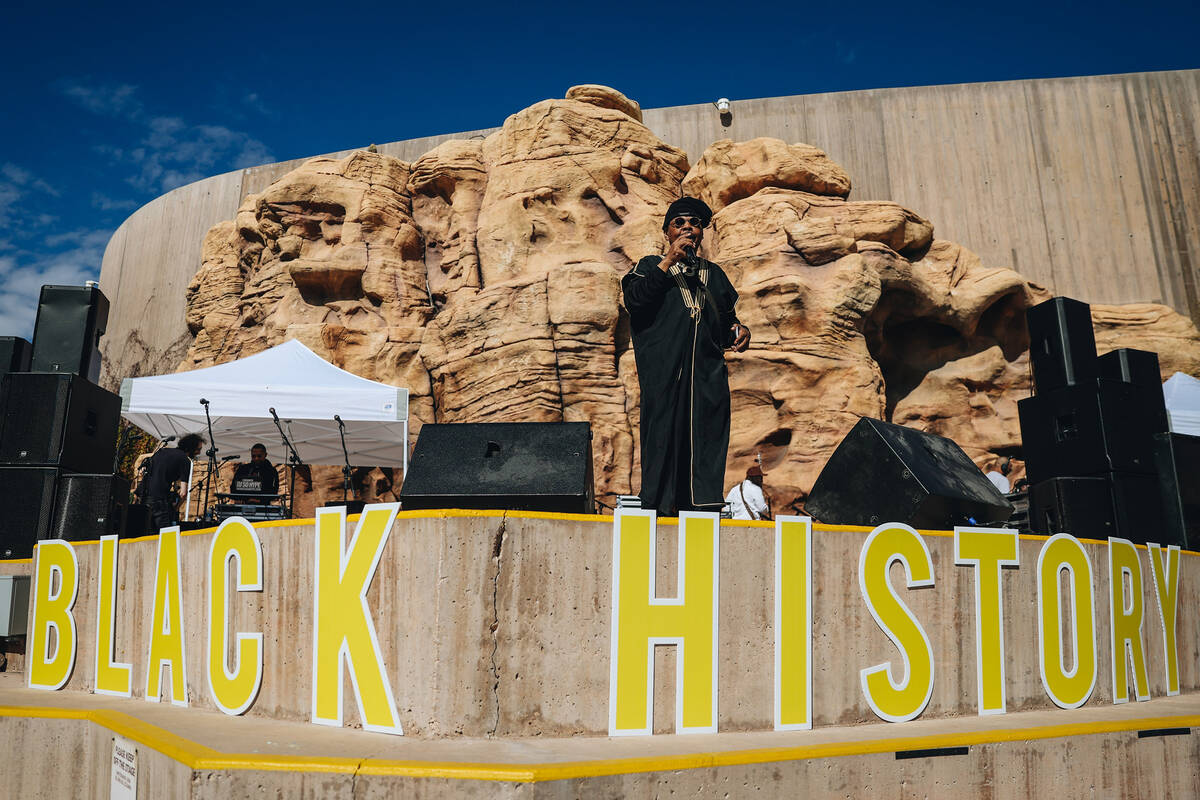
498 624
1088 185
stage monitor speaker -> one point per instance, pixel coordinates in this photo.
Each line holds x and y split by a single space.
888 473
1062 344
526 466
1082 507
87 507
26 508
1138 368
50 419
66 336
1178 459
1087 430
15 353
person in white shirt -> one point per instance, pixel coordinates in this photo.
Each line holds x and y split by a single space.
1000 479
747 500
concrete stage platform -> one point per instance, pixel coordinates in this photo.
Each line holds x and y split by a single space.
517 654
1144 750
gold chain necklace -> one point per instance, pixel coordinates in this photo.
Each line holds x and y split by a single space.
694 301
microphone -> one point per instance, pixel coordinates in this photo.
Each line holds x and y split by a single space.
339 421
170 438
203 402
228 458
274 416
690 262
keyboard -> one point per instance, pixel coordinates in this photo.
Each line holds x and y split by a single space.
251 511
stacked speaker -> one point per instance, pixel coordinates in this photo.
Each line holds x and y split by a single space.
58 429
1095 435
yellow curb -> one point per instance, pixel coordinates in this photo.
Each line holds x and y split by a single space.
198 756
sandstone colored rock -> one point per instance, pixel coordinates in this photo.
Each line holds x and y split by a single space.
485 278
605 97
730 171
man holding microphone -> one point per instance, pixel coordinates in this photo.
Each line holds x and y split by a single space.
681 313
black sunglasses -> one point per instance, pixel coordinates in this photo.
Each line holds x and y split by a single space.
680 221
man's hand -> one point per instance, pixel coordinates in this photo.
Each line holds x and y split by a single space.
677 251
741 338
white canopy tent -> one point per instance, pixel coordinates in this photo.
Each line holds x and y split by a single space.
1181 392
306 392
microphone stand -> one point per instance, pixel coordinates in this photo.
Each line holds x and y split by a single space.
346 456
212 457
293 461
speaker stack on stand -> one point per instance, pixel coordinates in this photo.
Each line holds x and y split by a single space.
58 429
1094 435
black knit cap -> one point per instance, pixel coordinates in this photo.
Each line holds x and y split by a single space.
690 206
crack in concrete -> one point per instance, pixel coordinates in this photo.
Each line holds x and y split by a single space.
497 550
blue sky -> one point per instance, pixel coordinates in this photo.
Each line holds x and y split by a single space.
107 106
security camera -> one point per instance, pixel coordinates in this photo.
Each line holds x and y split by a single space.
723 105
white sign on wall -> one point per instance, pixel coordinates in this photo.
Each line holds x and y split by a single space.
124 770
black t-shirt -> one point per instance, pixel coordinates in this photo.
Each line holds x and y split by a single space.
255 479
167 466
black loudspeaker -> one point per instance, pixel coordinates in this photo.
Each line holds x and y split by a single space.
1062 344
1139 368
50 419
1085 430
87 507
1138 509
888 473
1178 458
26 508
137 520
1082 507
529 466
15 353
66 336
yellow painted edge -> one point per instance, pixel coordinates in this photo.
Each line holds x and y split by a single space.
169 744
198 756
446 513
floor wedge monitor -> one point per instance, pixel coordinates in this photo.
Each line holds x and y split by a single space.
526 466
888 473
58 420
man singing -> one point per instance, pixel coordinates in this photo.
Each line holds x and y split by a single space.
682 319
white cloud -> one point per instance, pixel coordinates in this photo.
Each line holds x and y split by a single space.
23 274
106 203
113 101
173 151
19 182
255 103
9 195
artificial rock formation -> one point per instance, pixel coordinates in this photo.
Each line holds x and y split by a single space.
485 277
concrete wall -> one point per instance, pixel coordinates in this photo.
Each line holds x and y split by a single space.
495 624
1088 185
